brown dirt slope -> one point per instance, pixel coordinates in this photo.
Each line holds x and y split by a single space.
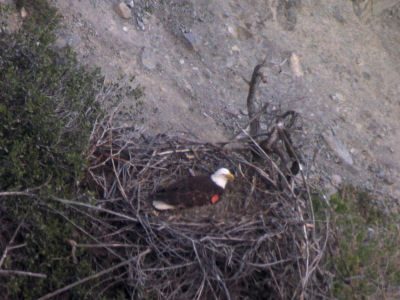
192 57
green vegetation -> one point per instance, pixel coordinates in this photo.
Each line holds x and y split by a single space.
364 251
48 108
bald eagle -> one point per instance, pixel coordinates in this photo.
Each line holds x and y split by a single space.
192 191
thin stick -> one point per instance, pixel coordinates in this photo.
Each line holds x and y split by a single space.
105 245
23 273
269 264
3 257
64 201
3 194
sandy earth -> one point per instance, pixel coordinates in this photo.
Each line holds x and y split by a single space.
192 59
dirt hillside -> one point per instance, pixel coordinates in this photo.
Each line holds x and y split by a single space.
335 62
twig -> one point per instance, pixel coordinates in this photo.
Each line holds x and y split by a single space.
267 265
23 273
3 194
106 245
3 257
64 201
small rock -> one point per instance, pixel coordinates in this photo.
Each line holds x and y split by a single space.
123 10
380 174
140 23
125 29
366 75
207 73
337 147
149 59
230 61
235 48
386 177
296 66
191 40
389 180
231 30
71 40
243 34
23 13
336 179
130 4
181 61
337 97
338 15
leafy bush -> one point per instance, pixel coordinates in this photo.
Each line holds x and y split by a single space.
364 251
47 110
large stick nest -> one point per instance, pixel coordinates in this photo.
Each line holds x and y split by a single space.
258 242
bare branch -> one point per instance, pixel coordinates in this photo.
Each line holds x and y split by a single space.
22 273
258 75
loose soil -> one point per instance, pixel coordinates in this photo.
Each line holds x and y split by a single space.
193 58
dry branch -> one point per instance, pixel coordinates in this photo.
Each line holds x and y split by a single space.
22 273
258 75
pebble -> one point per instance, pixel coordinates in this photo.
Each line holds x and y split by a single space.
23 13
337 14
123 10
207 73
149 59
389 180
141 24
130 4
386 177
71 40
337 147
336 179
192 40
125 29
366 75
338 97
296 66
230 62
243 34
235 48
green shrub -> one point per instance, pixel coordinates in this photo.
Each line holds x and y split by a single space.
47 111
364 246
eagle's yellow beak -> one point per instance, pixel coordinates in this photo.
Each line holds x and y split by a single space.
230 177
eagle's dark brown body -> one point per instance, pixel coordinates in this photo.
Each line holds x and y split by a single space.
189 192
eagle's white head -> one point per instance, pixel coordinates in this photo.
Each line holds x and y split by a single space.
221 177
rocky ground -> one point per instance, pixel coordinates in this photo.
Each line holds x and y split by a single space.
337 63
